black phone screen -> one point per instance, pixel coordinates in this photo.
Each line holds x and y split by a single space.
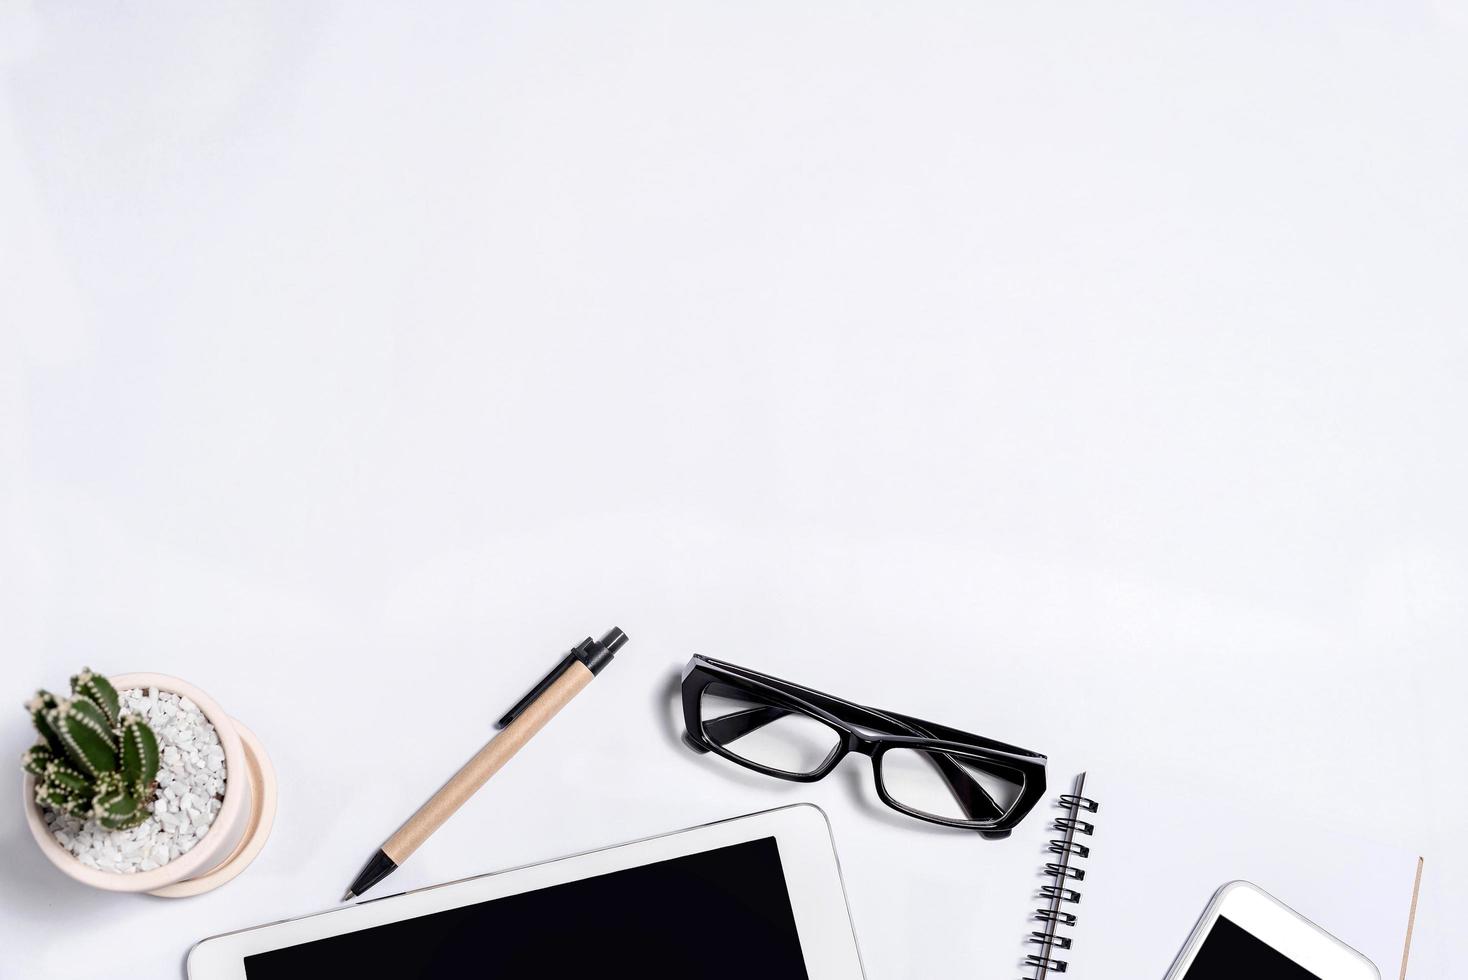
1230 953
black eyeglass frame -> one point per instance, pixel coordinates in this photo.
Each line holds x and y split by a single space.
886 730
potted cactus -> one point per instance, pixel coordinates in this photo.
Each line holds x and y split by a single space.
141 782
93 760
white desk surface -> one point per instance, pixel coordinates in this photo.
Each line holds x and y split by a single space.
1091 376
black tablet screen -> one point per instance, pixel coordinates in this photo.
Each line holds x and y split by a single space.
717 915
1230 953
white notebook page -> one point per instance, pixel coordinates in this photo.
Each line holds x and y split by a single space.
1156 860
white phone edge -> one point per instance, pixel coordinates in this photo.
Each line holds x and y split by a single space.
1281 927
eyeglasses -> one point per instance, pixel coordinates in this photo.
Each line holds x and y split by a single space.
928 771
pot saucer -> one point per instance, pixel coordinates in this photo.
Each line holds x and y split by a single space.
261 775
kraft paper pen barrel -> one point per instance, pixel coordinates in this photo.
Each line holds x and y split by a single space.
576 670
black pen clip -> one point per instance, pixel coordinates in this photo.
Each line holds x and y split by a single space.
538 689
593 655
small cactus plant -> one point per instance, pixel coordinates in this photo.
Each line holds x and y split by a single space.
91 760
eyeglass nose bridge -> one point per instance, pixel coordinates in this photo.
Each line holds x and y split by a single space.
865 745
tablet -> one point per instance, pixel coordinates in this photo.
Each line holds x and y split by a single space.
755 896
1245 932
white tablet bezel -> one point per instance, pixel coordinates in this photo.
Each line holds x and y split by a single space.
1271 921
807 856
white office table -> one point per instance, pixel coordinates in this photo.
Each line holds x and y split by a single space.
1092 378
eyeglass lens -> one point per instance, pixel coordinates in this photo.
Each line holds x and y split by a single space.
763 732
949 785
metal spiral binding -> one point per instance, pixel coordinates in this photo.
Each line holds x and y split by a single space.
1064 875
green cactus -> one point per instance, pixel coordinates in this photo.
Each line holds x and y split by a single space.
86 736
35 759
139 751
114 804
40 708
65 783
98 690
91 760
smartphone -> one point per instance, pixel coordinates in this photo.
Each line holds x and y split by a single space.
1245 932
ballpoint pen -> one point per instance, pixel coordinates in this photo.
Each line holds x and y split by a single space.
517 727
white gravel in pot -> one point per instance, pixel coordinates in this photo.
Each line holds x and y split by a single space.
191 777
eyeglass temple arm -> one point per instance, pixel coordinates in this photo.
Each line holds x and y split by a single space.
971 796
955 735
837 706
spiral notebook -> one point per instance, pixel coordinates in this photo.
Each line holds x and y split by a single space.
931 904
1124 878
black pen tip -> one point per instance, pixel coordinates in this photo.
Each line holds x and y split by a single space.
376 869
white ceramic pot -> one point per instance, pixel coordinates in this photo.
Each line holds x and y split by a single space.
234 838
